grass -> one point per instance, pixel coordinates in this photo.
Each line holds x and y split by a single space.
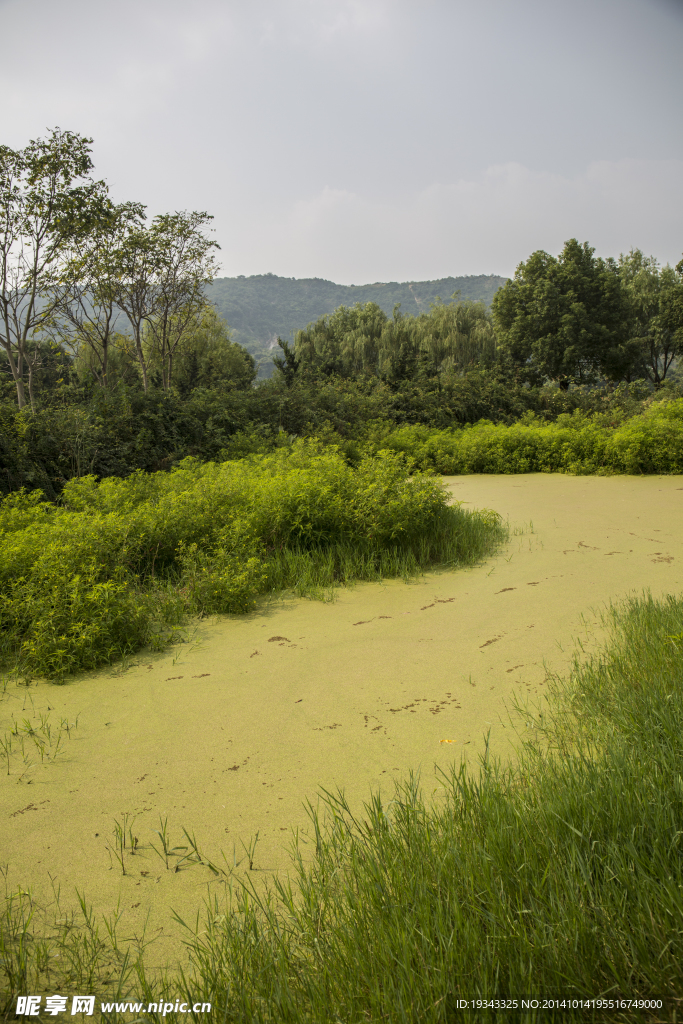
33 737
457 538
559 875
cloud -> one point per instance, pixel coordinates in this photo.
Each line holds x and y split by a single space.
360 139
484 224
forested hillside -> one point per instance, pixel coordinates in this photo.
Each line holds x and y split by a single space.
262 307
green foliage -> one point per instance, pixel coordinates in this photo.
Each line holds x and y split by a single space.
651 442
121 364
114 431
57 622
655 296
208 358
120 561
566 316
220 580
48 201
261 307
362 340
87 314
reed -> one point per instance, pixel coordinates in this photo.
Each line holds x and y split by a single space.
560 874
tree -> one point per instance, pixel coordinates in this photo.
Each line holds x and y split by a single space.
451 337
185 266
163 274
136 264
363 340
566 317
48 200
656 301
88 316
208 358
287 364
343 342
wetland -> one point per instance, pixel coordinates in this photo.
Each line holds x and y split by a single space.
231 733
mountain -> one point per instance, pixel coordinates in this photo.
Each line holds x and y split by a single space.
265 306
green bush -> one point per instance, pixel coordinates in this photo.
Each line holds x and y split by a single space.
651 442
58 622
107 570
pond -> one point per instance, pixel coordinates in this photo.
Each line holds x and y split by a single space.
228 735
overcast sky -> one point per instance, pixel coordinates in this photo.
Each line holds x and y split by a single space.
369 140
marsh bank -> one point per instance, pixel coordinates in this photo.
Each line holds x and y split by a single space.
228 738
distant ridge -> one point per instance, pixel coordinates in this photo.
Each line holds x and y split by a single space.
261 307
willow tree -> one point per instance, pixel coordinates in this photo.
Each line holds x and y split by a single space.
344 342
362 339
451 337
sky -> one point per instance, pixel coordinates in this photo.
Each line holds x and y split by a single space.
369 140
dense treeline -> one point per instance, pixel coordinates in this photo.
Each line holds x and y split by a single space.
80 428
261 307
574 319
115 360
86 430
364 341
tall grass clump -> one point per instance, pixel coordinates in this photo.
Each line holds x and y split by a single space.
49 949
558 876
651 442
119 562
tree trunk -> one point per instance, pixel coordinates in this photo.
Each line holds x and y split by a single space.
141 360
30 387
17 371
21 394
105 360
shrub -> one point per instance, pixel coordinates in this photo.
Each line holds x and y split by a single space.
651 442
88 581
